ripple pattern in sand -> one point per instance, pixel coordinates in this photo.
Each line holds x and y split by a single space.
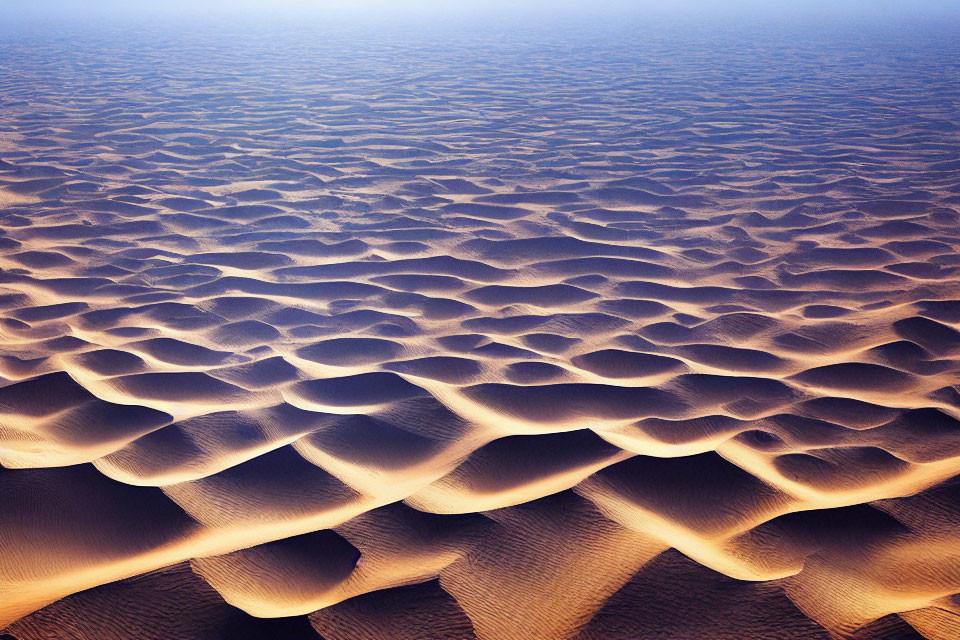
493 345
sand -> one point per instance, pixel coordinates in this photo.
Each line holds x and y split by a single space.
474 335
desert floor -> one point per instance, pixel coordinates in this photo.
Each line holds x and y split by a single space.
512 334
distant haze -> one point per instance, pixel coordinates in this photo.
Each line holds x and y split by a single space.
425 9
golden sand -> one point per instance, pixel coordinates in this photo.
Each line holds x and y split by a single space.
481 350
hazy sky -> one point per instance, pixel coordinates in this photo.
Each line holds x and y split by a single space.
69 9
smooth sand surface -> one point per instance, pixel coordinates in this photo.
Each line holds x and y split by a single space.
466 335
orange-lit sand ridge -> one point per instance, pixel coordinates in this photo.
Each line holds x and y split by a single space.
490 337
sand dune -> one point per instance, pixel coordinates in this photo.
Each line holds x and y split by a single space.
541 337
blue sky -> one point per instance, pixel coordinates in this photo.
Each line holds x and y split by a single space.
426 8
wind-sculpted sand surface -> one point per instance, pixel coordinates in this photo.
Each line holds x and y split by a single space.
538 336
